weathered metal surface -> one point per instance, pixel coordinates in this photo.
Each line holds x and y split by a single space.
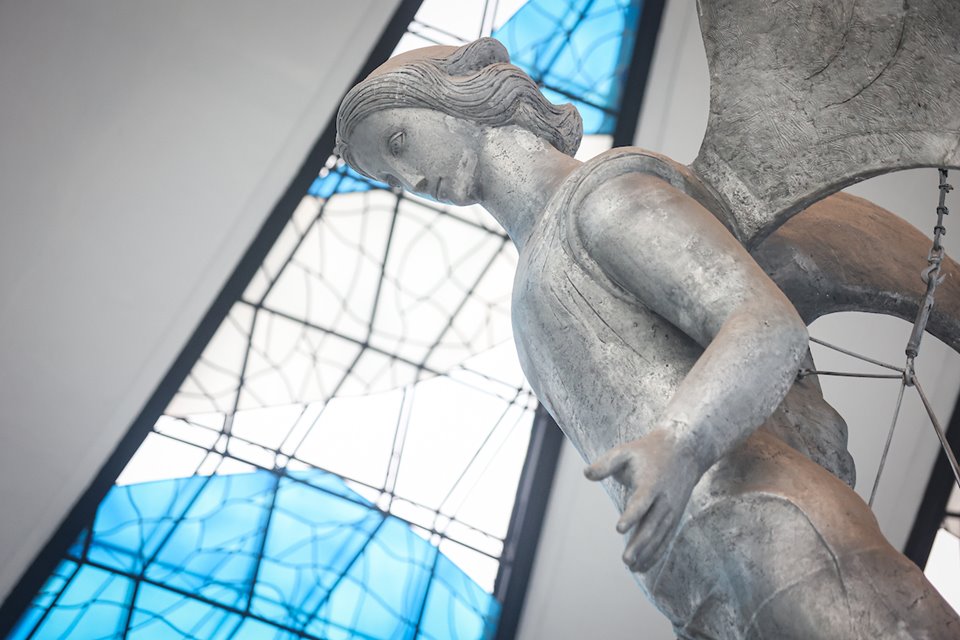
665 353
847 254
808 96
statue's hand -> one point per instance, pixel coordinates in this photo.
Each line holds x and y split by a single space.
659 478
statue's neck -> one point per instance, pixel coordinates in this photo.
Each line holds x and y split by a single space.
520 173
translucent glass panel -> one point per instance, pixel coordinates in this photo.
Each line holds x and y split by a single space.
299 553
577 51
343 459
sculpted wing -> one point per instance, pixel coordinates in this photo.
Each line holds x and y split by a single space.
847 254
809 96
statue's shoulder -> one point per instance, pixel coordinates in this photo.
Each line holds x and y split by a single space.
593 200
609 186
604 184
599 182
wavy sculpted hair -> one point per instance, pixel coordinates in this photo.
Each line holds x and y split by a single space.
474 82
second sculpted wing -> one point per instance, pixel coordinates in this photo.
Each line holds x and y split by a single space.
809 96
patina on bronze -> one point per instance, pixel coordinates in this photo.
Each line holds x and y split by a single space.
662 347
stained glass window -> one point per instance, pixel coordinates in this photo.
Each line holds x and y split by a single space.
343 459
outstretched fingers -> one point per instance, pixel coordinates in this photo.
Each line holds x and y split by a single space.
640 502
610 463
651 548
643 534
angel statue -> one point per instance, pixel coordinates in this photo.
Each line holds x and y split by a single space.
660 310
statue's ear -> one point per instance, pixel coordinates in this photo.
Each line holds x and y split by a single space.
476 55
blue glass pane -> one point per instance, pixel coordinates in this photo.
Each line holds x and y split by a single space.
382 593
457 609
256 630
342 180
313 537
214 548
76 549
132 520
579 48
314 554
594 120
160 614
94 605
45 599
328 483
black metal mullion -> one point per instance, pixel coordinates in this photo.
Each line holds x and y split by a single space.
345 337
133 602
635 83
268 517
526 522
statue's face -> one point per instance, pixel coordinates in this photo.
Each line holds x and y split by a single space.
421 150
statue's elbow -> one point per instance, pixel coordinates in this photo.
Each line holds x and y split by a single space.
790 331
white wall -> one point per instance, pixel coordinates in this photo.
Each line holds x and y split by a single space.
142 144
579 588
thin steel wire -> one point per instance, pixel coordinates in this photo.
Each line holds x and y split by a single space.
853 354
886 446
931 277
939 430
848 374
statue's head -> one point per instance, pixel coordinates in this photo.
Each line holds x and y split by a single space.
418 120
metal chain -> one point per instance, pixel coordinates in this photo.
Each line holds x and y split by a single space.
907 375
931 276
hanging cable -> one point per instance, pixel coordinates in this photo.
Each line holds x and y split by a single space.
932 278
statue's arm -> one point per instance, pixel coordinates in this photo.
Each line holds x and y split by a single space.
663 247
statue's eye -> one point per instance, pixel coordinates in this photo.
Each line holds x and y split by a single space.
396 143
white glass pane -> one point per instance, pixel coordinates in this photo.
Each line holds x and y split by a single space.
505 11
593 145
413 514
161 458
251 453
448 424
332 279
277 257
188 431
480 568
213 381
500 365
488 503
291 363
462 19
376 372
354 437
230 466
952 523
434 263
410 41
474 538
268 426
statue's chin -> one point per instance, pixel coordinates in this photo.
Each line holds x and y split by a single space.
459 193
